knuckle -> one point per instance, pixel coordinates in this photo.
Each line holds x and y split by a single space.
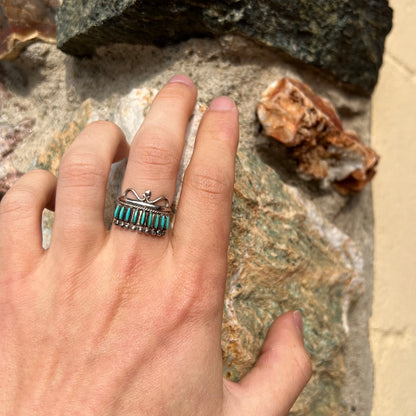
221 126
197 297
17 200
175 91
210 181
38 174
81 170
223 132
108 126
154 155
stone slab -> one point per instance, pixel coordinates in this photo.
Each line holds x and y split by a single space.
50 87
346 39
283 255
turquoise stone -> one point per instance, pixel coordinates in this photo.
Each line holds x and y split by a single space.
128 214
116 211
149 219
162 222
135 216
120 215
156 224
142 217
167 223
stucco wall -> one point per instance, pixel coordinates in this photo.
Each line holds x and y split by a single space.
393 322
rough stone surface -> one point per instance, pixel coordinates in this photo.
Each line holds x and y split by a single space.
23 22
344 38
50 87
283 255
308 124
10 137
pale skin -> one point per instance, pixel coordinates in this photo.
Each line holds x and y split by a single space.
119 323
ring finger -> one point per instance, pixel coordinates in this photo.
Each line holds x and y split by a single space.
80 196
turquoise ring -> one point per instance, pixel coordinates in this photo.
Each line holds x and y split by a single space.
140 213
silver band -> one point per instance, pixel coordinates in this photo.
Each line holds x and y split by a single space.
140 213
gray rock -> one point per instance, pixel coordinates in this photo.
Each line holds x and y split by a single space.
346 39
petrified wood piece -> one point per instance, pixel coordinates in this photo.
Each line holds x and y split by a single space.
308 124
23 22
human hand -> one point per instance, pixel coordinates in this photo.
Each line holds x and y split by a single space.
119 323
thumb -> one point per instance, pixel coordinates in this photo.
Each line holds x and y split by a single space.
279 375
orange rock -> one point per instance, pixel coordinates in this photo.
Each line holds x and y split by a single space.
23 22
292 113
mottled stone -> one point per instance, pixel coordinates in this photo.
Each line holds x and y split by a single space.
346 39
50 158
283 255
308 124
24 22
10 137
8 177
48 86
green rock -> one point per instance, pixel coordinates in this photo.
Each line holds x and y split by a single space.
343 38
283 255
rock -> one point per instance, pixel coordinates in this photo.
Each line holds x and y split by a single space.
10 137
308 124
283 255
50 158
346 39
8 176
24 22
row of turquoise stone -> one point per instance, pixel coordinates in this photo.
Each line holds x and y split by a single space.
141 217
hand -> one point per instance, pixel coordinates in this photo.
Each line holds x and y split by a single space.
119 323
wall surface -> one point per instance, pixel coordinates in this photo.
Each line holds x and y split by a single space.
393 322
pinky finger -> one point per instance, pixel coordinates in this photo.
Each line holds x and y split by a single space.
20 218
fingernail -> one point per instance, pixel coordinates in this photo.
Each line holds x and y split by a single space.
297 316
182 79
222 104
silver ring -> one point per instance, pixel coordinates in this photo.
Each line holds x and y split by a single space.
142 214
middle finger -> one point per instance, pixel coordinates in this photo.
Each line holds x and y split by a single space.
157 148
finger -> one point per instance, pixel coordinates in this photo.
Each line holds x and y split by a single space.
202 224
20 218
157 148
82 182
280 373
